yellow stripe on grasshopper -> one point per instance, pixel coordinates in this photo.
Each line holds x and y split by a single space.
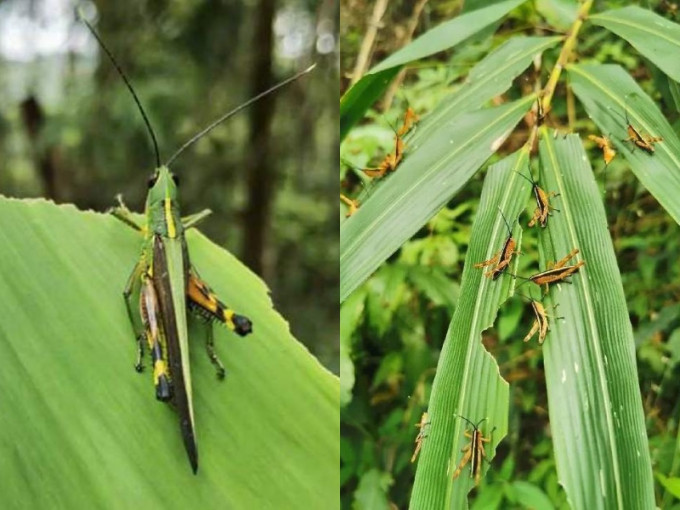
169 220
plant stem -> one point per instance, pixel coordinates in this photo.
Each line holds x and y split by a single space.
563 59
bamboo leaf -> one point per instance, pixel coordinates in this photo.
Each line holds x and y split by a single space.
447 34
596 414
654 36
603 89
81 429
357 99
361 96
467 381
428 177
492 76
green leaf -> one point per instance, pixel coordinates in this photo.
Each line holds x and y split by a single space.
361 96
654 36
350 314
489 78
366 91
427 178
81 429
671 484
596 414
674 88
372 491
529 495
447 35
603 89
467 381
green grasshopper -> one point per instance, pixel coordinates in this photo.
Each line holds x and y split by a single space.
168 284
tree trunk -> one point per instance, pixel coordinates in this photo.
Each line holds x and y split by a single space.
261 169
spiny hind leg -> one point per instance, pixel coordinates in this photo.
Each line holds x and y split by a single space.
207 321
562 262
466 458
133 281
493 260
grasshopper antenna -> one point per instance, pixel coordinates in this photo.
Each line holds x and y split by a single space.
233 112
127 83
506 224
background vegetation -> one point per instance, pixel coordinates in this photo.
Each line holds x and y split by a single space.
393 326
69 130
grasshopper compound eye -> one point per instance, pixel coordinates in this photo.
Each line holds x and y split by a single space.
152 180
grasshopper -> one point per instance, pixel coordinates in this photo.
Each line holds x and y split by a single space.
168 284
608 152
392 160
502 258
557 272
424 422
474 451
646 143
543 207
540 325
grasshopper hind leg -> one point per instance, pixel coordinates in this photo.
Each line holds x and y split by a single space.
214 359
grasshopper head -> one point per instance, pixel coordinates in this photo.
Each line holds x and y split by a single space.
162 207
162 185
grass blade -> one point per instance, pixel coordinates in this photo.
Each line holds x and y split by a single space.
596 414
467 381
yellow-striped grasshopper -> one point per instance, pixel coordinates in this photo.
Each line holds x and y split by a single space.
168 284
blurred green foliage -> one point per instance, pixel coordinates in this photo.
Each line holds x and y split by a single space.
70 131
396 322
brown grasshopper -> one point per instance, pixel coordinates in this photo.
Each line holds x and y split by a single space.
604 143
540 325
557 272
424 422
646 143
502 258
474 451
543 207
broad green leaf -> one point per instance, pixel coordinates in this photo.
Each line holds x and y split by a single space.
654 36
447 34
467 381
596 414
492 76
603 89
361 96
81 429
429 176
